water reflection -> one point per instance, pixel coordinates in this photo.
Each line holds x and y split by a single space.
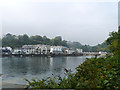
34 67
51 61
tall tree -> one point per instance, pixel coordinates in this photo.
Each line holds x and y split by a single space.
57 40
114 43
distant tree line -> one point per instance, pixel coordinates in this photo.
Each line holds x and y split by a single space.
88 48
17 42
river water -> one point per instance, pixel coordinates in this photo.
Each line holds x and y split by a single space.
16 69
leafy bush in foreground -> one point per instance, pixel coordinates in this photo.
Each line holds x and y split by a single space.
98 73
93 73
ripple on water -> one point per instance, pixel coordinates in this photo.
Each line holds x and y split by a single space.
15 69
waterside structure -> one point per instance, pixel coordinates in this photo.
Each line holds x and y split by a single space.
45 50
39 50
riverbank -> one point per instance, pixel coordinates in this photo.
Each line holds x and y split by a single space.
41 55
11 85
57 55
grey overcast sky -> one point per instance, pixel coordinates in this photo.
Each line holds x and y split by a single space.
85 22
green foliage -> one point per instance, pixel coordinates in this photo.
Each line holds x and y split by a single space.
74 44
9 40
99 73
114 42
93 73
57 41
17 41
101 47
55 82
88 48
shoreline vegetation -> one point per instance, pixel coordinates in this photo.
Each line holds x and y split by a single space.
15 41
102 72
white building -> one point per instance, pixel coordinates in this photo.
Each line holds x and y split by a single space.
69 51
56 49
79 50
28 49
6 50
102 53
9 48
17 51
42 49
36 49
